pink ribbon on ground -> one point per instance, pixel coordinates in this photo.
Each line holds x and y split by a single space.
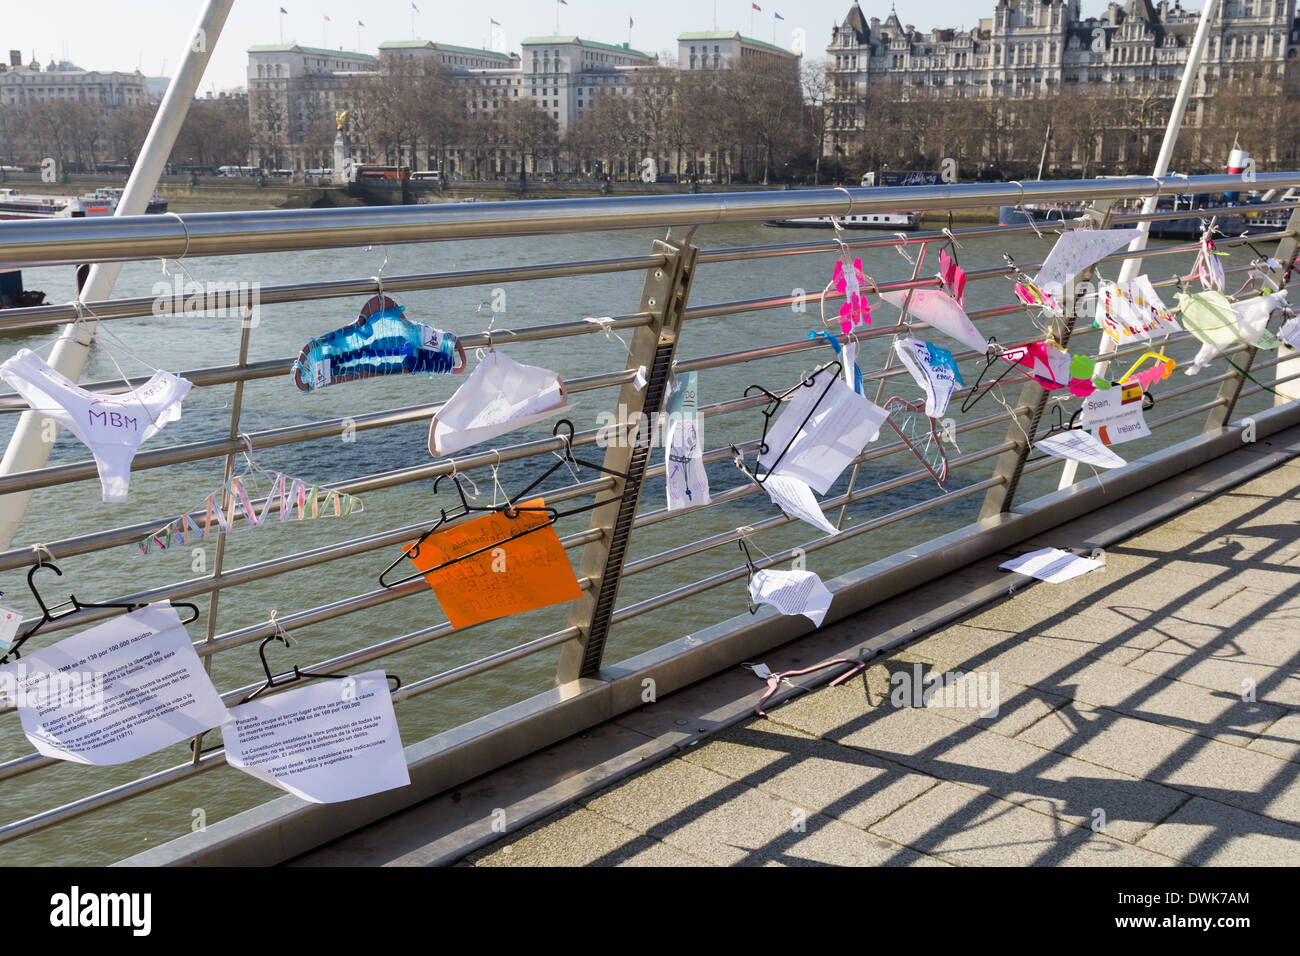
774 681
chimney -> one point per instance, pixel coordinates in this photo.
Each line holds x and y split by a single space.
15 57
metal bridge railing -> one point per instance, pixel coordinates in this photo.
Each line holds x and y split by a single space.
687 559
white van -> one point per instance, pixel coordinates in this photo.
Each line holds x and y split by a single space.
427 175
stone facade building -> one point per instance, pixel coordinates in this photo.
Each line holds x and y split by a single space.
1034 48
25 84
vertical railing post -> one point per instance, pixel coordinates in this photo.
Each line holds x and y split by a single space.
664 295
1231 388
1288 253
1011 463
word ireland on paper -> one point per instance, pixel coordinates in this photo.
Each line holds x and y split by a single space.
1115 415
325 742
116 692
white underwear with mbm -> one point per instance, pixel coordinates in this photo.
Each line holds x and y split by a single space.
112 426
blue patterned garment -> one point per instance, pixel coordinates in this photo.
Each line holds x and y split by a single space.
385 343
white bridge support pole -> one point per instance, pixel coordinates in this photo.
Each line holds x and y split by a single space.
28 448
1132 267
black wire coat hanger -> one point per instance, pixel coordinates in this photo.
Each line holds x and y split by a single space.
77 606
974 395
749 562
511 511
297 674
774 405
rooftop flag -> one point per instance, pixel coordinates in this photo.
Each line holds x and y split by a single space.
778 16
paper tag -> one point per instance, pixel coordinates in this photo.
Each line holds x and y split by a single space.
763 671
320 374
639 379
1290 333
9 621
431 338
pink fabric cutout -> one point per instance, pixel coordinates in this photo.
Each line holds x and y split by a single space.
1083 387
1038 361
953 276
855 311
1150 376
1032 295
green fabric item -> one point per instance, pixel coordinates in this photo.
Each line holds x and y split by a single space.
1208 316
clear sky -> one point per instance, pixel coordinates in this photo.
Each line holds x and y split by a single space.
150 34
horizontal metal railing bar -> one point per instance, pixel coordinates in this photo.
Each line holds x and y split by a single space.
217 757
231 300
10 401
272 567
118 238
185 452
880 240
88 804
741 306
707 584
650 562
1124 218
483 664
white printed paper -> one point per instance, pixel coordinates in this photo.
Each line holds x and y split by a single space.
687 481
796 499
838 426
1080 446
116 692
9 622
791 592
499 396
1290 332
325 742
1052 565
1114 415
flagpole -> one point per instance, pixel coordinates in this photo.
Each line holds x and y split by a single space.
557 17
282 26
323 41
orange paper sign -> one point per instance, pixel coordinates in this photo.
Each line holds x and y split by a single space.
509 577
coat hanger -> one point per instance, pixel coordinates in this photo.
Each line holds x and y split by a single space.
774 404
511 511
1159 359
749 563
1059 426
381 341
48 616
974 396
297 674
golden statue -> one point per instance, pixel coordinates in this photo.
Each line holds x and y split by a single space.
340 119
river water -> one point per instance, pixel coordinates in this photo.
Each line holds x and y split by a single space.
188 343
